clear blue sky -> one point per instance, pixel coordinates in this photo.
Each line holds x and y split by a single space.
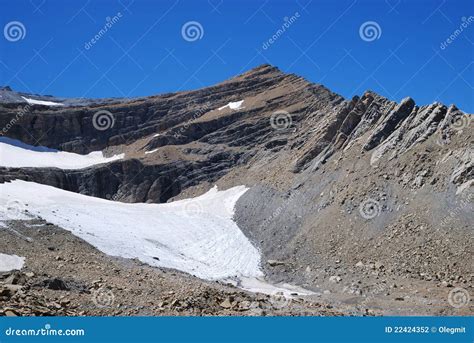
144 52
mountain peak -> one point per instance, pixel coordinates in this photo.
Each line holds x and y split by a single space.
263 70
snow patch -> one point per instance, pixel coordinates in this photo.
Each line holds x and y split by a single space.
151 152
41 102
11 262
16 154
233 105
257 285
197 235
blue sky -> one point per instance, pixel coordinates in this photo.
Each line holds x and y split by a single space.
144 52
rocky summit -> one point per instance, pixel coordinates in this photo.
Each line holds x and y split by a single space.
365 202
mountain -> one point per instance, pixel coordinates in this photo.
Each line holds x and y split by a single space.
363 198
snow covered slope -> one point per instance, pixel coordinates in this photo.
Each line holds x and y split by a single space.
197 236
14 153
42 102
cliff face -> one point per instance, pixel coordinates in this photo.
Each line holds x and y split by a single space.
208 139
194 138
74 128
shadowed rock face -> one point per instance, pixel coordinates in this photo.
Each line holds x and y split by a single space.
190 141
117 181
72 128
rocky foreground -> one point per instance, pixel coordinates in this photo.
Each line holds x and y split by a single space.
65 276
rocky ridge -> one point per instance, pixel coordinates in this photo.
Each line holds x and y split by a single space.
198 143
344 194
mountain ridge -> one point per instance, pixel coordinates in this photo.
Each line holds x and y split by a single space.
347 196
258 70
281 112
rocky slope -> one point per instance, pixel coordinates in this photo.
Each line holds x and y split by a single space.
66 276
346 196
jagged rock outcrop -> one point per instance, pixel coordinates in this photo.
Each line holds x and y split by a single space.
389 123
463 174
